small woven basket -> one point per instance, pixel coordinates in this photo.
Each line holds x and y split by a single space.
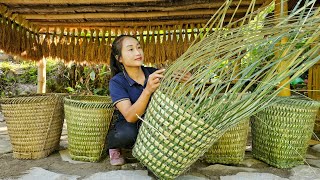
172 140
34 124
230 148
280 133
88 119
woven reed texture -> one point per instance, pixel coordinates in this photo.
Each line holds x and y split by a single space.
171 143
34 124
88 119
231 147
317 125
281 132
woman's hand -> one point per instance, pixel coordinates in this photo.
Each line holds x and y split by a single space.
182 76
154 81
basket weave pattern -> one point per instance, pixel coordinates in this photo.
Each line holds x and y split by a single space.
88 119
34 124
230 148
174 142
281 132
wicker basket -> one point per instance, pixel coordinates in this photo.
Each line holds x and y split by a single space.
281 132
173 140
34 124
88 119
230 148
317 125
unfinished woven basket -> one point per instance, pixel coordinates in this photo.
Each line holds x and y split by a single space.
34 124
230 148
171 142
88 119
281 132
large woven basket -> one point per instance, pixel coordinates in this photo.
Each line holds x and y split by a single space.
317 125
34 124
230 148
171 142
88 119
281 132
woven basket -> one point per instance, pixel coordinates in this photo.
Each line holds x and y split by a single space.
317 125
230 148
88 119
281 132
34 124
171 142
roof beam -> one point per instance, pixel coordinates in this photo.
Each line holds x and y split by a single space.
123 23
36 2
124 15
104 8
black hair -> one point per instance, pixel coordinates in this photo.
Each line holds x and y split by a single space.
116 48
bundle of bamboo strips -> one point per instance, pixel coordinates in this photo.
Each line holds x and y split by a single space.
183 120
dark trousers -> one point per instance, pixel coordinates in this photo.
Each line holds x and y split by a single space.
122 134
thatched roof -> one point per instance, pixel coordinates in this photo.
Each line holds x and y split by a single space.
120 13
81 30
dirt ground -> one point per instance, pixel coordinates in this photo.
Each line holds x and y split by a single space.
13 168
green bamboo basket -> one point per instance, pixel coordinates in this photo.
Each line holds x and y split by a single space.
34 124
231 147
281 132
172 140
88 120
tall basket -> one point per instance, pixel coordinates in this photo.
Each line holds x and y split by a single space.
281 132
34 124
231 147
88 119
171 140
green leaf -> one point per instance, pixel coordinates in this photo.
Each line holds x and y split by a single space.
92 75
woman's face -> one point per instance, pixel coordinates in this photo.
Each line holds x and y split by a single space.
131 53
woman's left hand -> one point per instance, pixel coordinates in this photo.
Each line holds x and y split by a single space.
182 75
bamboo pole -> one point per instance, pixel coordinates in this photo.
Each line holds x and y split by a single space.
281 11
35 2
126 15
41 87
89 25
313 79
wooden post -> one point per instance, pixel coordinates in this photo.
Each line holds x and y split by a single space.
314 79
41 88
281 13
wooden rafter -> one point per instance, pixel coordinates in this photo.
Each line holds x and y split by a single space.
35 2
102 8
124 15
123 23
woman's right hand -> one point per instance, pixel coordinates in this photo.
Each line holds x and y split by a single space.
154 80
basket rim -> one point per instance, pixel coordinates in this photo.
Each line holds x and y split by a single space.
298 101
104 101
31 98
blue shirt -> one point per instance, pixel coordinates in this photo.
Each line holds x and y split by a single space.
122 87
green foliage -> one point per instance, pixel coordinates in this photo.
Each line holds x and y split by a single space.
76 79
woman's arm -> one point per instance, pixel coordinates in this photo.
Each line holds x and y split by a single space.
130 111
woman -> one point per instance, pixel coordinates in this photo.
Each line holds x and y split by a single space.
131 88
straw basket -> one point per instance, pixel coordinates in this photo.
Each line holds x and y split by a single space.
88 119
34 124
170 142
281 132
230 148
317 125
